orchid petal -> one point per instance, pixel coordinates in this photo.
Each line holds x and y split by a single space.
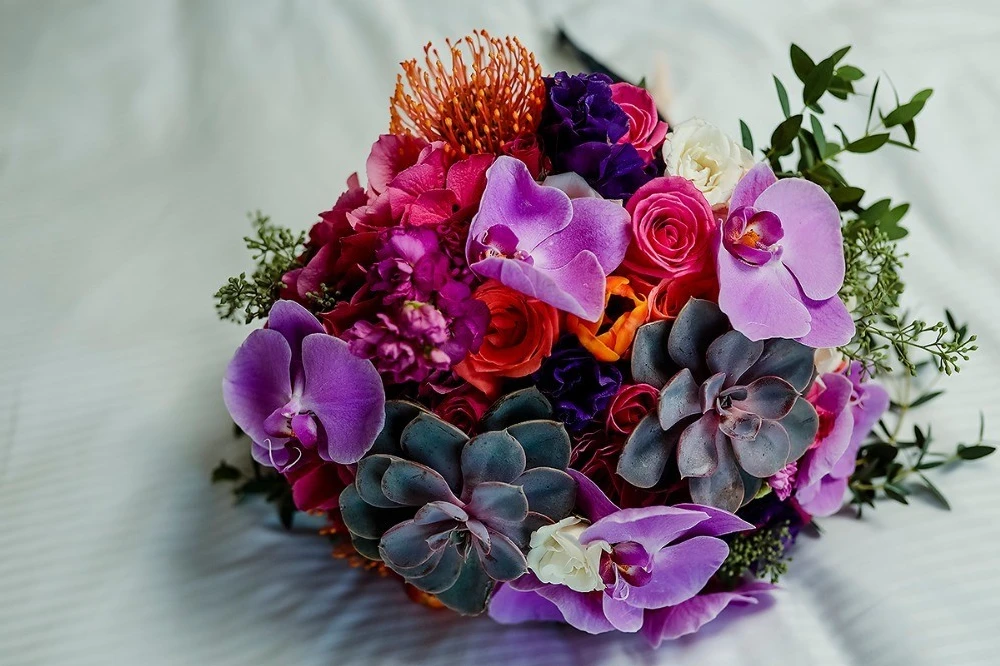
680 572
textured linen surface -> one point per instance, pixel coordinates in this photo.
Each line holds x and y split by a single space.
133 138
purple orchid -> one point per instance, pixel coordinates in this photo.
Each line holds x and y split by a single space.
292 381
538 241
650 558
849 408
781 262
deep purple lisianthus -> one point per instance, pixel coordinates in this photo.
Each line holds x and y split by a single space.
615 171
538 241
292 381
852 407
580 109
781 262
653 558
578 385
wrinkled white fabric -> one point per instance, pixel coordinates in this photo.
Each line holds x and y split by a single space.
133 138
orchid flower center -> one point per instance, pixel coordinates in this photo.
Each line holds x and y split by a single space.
752 236
628 564
501 241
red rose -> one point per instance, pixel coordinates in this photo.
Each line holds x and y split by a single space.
463 408
629 406
672 230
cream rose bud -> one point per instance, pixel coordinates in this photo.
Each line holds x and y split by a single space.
705 155
828 359
557 556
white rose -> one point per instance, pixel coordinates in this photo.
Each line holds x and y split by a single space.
827 359
557 556
706 156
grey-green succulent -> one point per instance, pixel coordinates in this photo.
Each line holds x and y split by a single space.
451 514
730 410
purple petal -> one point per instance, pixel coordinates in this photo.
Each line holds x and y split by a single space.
513 198
824 498
752 185
813 245
345 394
294 322
680 571
719 522
831 326
689 616
577 287
759 300
622 614
591 501
873 400
510 606
653 527
600 226
820 461
583 610
836 393
257 382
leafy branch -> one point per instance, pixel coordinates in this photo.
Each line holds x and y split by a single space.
802 146
275 250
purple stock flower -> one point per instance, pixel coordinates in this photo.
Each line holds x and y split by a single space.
851 407
538 241
409 265
651 558
781 262
293 381
577 384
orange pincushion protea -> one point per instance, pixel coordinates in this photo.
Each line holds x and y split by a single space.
611 336
475 107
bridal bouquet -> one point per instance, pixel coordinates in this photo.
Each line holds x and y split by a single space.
557 360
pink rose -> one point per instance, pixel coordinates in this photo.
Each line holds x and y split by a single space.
672 230
646 131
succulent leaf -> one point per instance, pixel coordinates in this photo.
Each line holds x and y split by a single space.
443 575
398 413
733 353
491 456
697 325
724 488
525 405
367 521
678 399
406 548
783 358
698 447
766 454
430 441
801 424
646 452
550 492
413 484
471 589
498 503
545 443
769 398
651 364
369 480
504 561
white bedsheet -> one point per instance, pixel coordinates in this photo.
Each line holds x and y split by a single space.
134 136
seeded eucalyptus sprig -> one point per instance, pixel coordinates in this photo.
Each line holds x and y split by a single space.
803 146
275 251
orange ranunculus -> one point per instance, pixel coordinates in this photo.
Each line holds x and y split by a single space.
668 297
610 337
521 333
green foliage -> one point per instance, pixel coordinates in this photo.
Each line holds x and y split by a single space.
893 465
760 553
802 146
275 251
260 481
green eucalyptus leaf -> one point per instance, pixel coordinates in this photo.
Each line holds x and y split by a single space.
817 82
819 135
846 195
974 452
935 493
782 96
747 137
868 144
801 62
849 73
785 133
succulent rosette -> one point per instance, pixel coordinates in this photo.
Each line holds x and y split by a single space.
452 514
559 360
